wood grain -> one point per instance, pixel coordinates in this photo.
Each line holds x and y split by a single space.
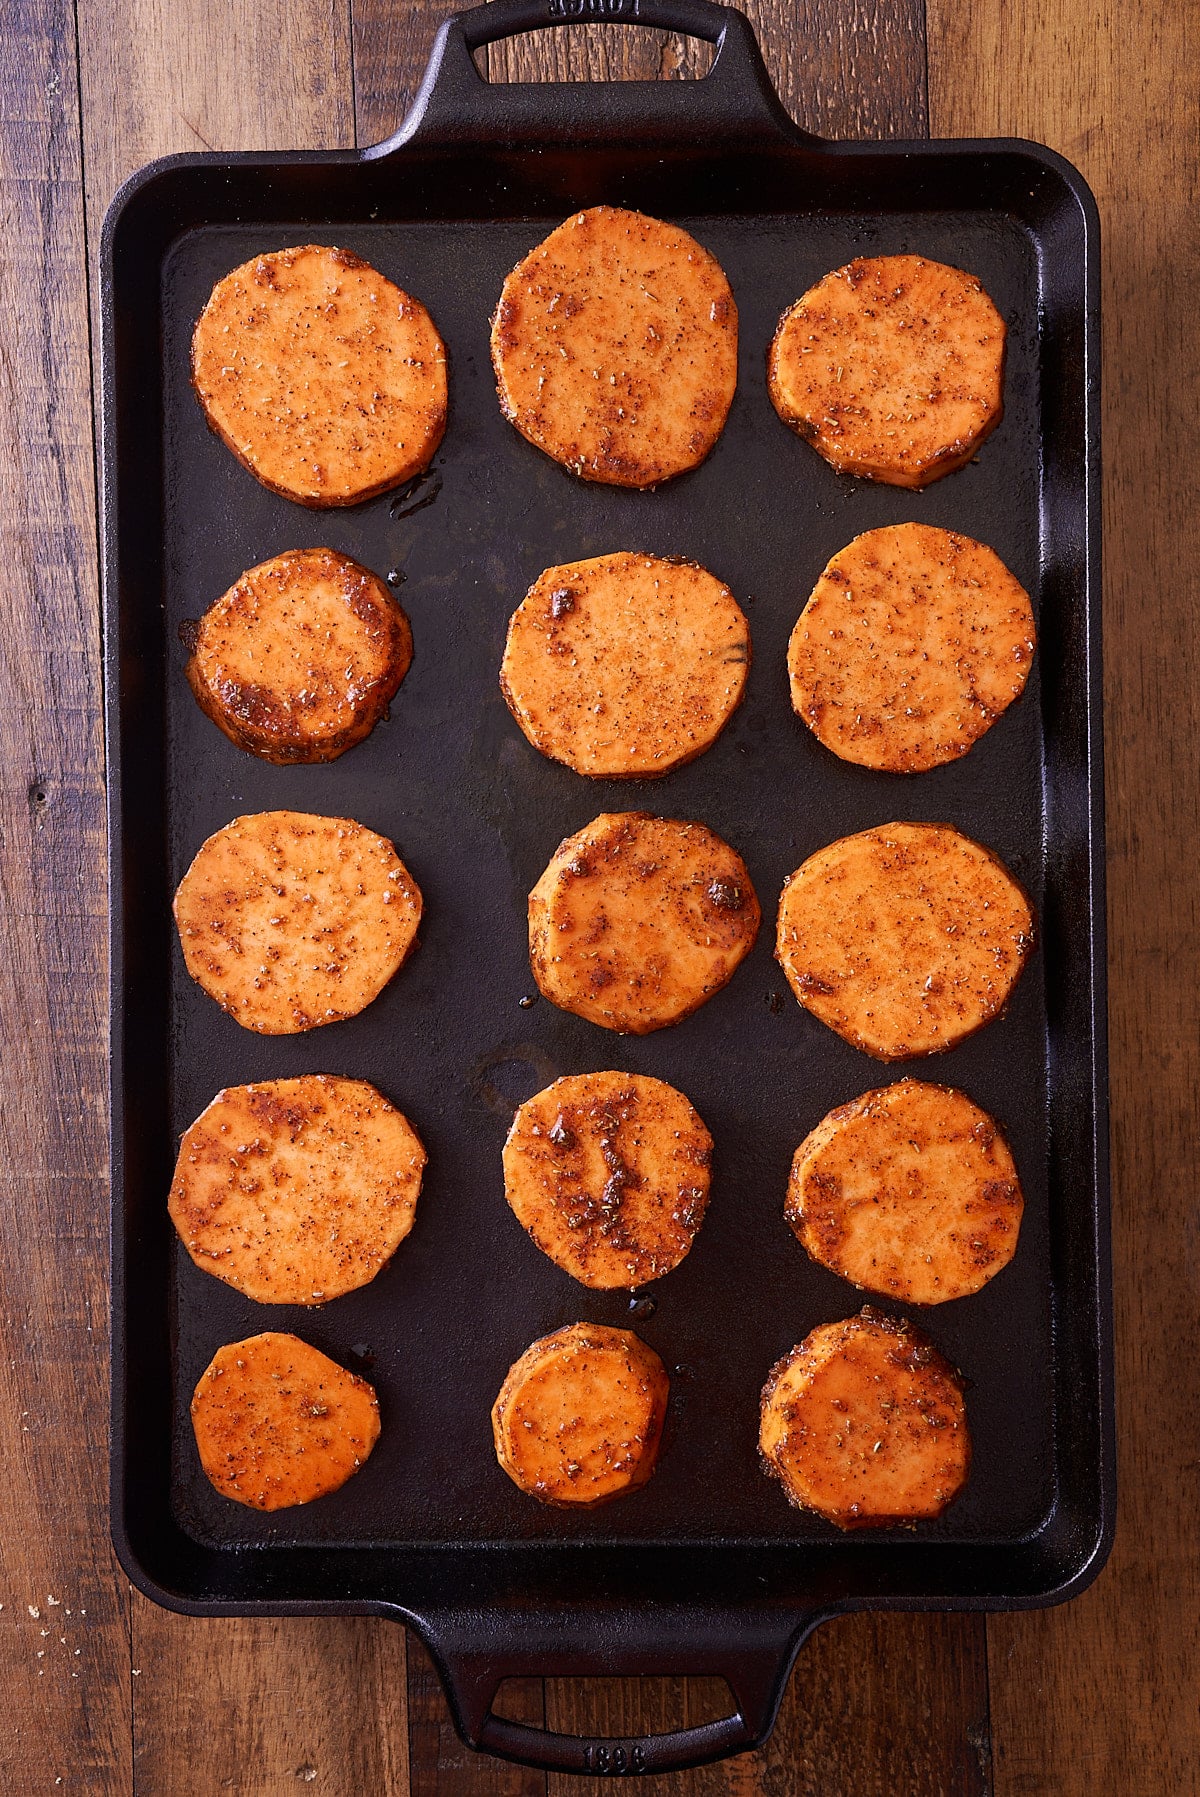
1101 1695
64 1621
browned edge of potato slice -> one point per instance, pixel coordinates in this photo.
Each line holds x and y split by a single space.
296 1191
609 1174
914 642
290 920
864 1423
579 1417
625 665
615 347
892 368
278 1423
639 919
909 1191
904 939
325 379
301 658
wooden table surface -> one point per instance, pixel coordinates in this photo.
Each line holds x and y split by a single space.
105 1692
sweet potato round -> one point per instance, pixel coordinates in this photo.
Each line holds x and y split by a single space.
639 920
296 1191
301 658
291 921
278 1423
626 664
904 939
615 347
579 1417
892 368
609 1174
914 642
325 379
909 1191
864 1422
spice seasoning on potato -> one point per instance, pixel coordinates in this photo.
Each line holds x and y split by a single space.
864 1422
615 347
278 1423
638 920
579 1417
904 939
892 368
301 658
325 379
914 642
296 1191
609 1174
291 921
909 1191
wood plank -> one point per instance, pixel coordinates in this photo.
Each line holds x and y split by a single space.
64 1620
239 1705
441 1765
1101 1695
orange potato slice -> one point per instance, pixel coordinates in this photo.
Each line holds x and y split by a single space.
609 1173
278 1423
626 664
615 347
291 921
904 939
296 1190
913 643
325 379
579 1417
638 920
300 659
892 368
909 1191
864 1422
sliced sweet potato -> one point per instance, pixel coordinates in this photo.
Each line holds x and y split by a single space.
579 1417
609 1173
909 1191
290 921
325 379
638 920
278 1423
296 1190
913 643
904 939
615 347
300 659
625 664
864 1422
892 368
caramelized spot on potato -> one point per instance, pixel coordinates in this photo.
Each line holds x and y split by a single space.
864 1422
892 368
615 347
904 939
290 921
278 1423
325 380
609 1173
910 1191
623 925
579 1417
296 1191
300 659
913 643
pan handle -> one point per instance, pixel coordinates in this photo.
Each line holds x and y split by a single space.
735 100
755 1659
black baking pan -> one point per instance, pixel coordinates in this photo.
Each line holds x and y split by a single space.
706 1570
